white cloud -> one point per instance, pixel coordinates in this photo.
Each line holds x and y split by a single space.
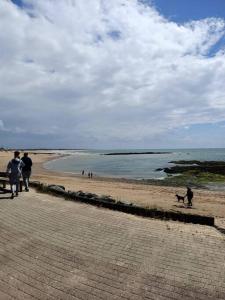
106 71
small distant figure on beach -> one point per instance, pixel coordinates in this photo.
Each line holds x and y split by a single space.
83 173
90 174
26 170
189 196
14 171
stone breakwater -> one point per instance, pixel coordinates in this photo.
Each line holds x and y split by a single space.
110 203
135 153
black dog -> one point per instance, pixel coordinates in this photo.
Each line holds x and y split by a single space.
180 198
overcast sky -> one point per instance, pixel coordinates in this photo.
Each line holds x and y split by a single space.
112 73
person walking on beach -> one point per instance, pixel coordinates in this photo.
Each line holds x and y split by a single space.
189 195
83 173
26 170
14 171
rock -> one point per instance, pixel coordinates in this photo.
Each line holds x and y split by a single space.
136 153
80 194
35 183
90 195
124 203
71 194
217 169
57 188
107 199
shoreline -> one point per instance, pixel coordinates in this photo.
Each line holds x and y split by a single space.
165 181
133 187
211 187
206 202
47 157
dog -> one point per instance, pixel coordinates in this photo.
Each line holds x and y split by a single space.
179 198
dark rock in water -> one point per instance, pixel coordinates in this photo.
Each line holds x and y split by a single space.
215 167
159 169
135 153
198 162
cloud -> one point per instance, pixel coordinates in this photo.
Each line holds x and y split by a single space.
1 125
106 73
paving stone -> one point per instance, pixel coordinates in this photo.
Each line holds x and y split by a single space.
56 249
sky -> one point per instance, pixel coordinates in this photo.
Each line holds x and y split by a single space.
112 74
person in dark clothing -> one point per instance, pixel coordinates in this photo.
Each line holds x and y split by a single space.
189 196
14 170
26 170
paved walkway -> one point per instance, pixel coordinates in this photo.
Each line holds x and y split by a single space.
56 249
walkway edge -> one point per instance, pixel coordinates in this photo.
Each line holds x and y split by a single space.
130 208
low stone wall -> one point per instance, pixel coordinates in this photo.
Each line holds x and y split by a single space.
108 202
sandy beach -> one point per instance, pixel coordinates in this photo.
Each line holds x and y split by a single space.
205 202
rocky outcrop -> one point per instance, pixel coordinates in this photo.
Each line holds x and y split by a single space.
182 166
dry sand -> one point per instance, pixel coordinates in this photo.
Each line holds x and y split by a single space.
205 202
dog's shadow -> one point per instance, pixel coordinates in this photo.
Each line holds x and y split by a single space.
183 206
179 206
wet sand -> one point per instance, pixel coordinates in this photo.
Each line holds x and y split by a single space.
205 202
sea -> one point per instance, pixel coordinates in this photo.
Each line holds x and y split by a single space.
136 166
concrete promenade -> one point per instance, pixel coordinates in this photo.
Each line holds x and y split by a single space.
56 249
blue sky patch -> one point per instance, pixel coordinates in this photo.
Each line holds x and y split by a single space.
217 47
182 11
18 2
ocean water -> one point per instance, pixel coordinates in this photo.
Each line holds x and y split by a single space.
129 166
